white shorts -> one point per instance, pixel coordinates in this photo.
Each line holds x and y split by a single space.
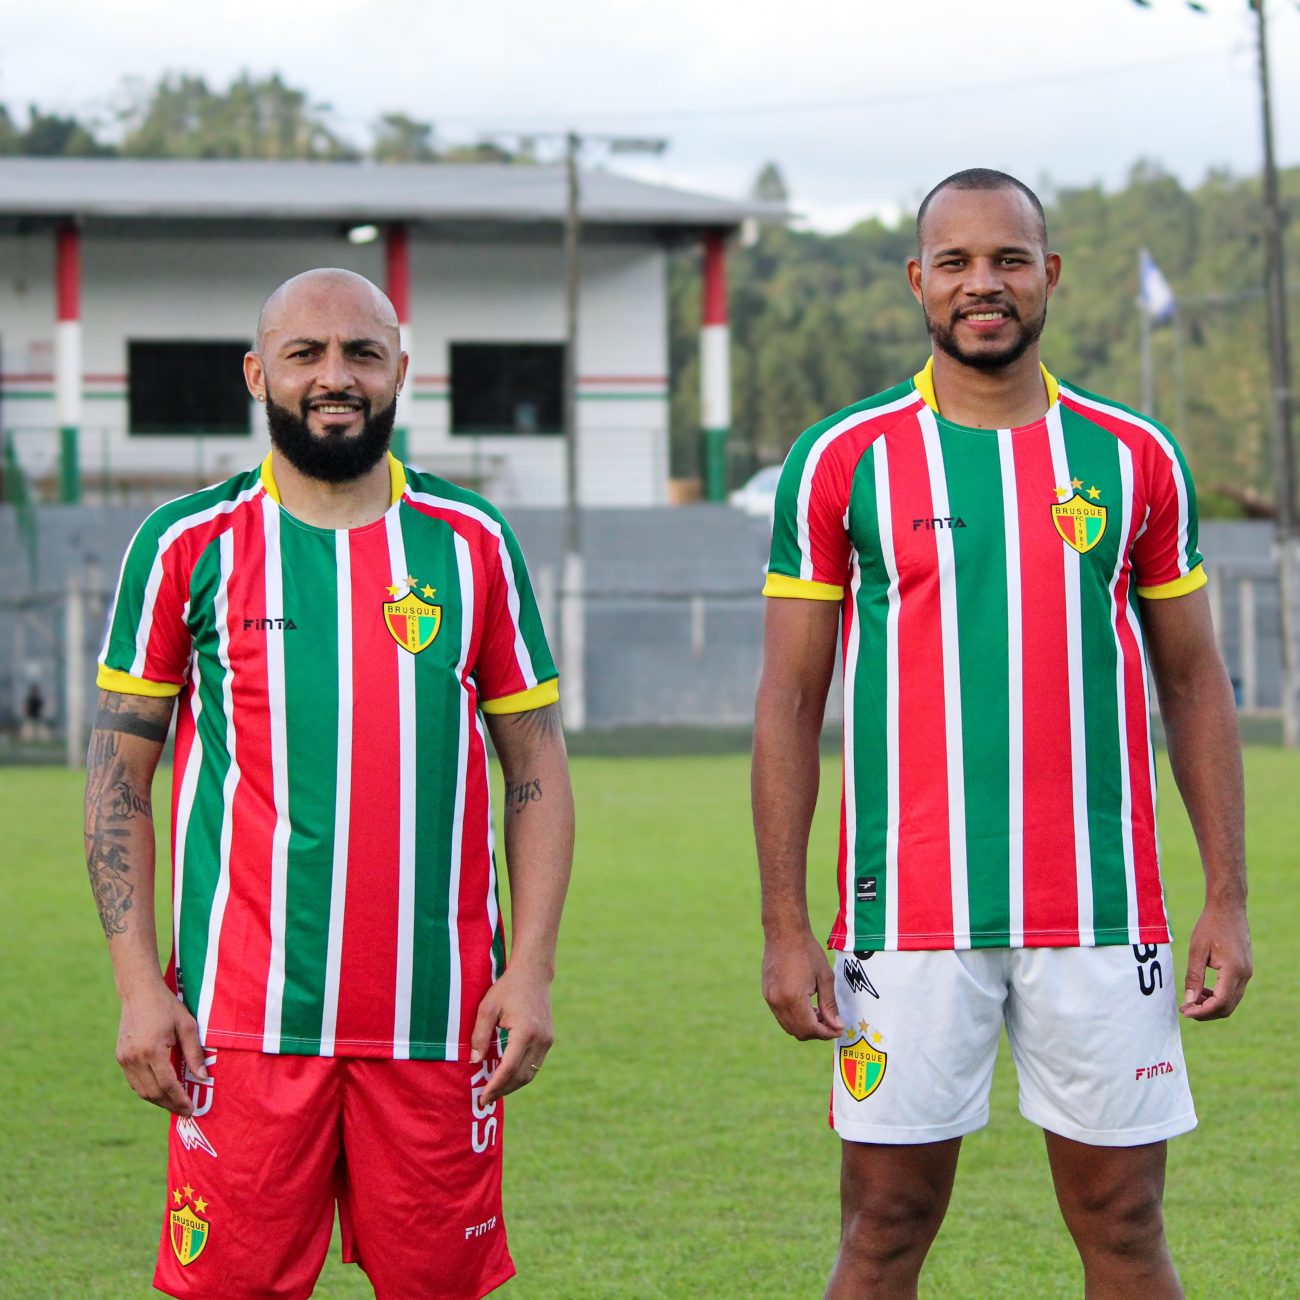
1094 1034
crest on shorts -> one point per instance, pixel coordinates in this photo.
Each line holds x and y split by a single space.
411 621
188 1230
862 1064
1080 521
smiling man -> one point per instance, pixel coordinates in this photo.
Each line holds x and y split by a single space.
1004 554
338 1024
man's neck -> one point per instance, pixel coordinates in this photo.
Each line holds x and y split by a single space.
354 504
990 399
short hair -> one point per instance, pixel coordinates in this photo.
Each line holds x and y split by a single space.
981 178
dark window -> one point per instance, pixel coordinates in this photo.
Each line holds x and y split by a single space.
506 387
186 387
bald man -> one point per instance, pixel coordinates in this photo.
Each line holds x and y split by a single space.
337 1024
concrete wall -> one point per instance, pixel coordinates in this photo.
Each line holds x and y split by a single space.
138 288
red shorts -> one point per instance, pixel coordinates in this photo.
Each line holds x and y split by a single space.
405 1148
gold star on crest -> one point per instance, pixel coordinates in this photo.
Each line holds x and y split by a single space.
189 1191
1061 492
1094 492
393 590
428 592
412 582
1076 482
200 1204
863 1026
177 1197
877 1037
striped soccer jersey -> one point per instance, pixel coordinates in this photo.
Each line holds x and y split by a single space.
999 785
334 887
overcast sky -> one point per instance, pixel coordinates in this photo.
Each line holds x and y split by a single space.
863 103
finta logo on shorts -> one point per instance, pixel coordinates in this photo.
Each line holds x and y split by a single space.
948 521
481 1229
1151 1071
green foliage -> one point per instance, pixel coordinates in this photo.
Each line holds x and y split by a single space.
48 135
675 1144
819 321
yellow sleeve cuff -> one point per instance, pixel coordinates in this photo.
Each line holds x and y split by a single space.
114 679
535 697
780 584
1179 587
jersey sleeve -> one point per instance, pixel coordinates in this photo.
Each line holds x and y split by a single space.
810 541
514 670
1166 558
146 648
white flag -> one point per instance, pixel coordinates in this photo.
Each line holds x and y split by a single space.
1154 294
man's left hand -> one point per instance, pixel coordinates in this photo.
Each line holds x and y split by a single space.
1220 942
520 1001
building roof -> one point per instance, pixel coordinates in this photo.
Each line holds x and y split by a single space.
349 191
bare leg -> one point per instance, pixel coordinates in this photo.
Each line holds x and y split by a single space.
1111 1199
892 1201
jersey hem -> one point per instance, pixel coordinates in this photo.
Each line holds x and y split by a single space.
782 585
1193 581
535 697
114 679
1112 936
371 1049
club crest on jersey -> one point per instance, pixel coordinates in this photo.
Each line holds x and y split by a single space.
412 621
1080 520
862 1062
188 1230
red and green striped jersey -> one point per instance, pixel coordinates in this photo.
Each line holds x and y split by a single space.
999 787
334 883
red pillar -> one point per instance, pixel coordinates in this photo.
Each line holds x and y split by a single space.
397 259
67 378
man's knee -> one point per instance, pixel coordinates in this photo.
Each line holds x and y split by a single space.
884 1225
1125 1221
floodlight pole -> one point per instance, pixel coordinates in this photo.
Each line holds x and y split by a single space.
1280 375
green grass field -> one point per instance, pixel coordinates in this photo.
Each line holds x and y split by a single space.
676 1143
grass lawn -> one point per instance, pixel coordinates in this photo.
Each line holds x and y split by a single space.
676 1143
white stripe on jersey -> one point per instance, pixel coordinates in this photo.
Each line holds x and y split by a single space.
221 616
493 911
465 575
818 449
951 683
342 798
847 891
1175 468
189 783
1121 697
884 514
181 526
1015 695
522 657
408 818
276 702
1077 721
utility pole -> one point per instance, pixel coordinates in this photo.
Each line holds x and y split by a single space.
1280 376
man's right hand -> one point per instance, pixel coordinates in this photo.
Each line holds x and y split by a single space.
154 1021
795 971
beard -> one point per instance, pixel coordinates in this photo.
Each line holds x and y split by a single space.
944 337
330 457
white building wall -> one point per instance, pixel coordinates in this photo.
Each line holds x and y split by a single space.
136 288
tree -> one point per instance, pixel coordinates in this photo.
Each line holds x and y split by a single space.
398 138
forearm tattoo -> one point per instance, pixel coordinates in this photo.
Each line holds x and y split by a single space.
519 794
114 802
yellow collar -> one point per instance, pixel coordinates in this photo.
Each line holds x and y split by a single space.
924 381
396 479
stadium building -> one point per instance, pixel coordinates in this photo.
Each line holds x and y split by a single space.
129 289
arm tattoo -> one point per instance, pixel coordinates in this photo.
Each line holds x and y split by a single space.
131 722
519 794
540 723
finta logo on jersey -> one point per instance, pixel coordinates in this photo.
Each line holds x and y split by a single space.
1080 522
411 621
188 1230
270 625
863 1061
948 521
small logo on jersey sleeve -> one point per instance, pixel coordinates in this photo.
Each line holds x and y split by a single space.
1080 520
412 621
188 1230
862 1061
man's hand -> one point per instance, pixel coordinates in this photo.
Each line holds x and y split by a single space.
153 1022
793 972
519 1001
1220 942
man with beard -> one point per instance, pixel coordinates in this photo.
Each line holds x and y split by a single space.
338 1023
1003 550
